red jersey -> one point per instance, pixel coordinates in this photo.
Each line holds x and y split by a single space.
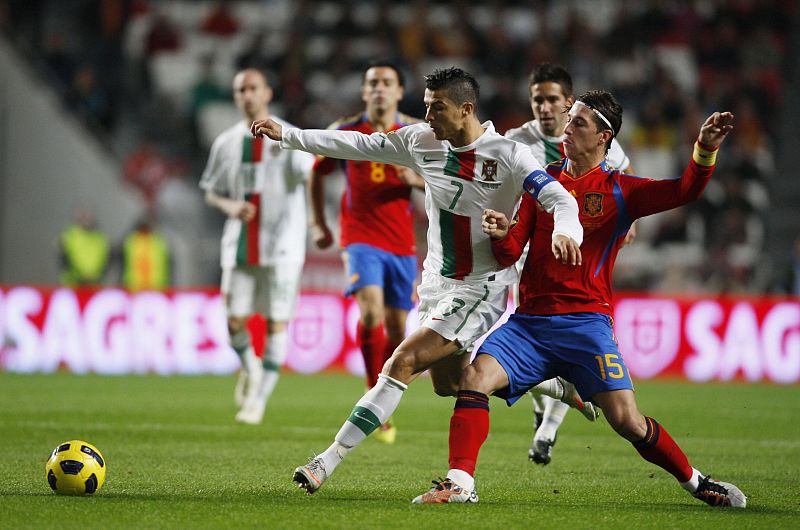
376 206
609 201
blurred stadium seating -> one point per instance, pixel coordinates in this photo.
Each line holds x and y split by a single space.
669 63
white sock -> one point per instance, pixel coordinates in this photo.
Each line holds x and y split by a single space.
462 478
692 484
538 403
554 412
265 387
552 388
373 409
275 353
250 362
333 455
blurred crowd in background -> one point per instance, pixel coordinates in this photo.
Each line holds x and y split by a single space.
151 80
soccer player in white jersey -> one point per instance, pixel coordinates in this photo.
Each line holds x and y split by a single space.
467 167
261 188
550 89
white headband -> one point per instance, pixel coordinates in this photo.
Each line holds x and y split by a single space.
597 112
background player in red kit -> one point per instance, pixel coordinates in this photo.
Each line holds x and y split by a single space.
563 326
377 229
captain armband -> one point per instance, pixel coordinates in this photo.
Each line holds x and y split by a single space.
704 155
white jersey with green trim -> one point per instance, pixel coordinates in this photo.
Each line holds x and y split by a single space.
492 172
257 170
548 149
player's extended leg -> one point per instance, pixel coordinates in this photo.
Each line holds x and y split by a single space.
415 354
655 445
469 427
277 344
546 433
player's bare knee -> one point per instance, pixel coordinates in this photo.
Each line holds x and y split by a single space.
445 388
470 378
401 365
629 426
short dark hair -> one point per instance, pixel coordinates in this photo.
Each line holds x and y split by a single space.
461 87
385 63
553 73
607 105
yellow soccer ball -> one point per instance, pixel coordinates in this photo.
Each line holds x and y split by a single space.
75 468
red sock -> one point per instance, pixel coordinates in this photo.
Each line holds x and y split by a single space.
659 448
372 342
469 427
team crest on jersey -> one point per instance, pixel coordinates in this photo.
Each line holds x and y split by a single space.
275 150
489 171
593 204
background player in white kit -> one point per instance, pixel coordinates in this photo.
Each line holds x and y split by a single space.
550 90
467 167
261 188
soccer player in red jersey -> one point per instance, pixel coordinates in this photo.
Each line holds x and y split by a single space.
563 326
550 91
377 227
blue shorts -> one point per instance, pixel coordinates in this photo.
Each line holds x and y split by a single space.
367 265
580 347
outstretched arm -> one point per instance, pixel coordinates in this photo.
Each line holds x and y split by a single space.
389 148
647 196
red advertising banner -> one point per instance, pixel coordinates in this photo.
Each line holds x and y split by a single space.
754 339
112 331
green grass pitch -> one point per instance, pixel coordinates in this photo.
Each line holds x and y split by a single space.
176 459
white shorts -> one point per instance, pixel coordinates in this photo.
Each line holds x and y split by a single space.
270 290
458 310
